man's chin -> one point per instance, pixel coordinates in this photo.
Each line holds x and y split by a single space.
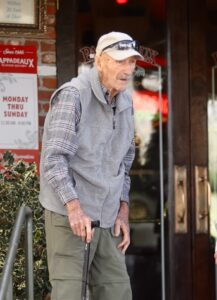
123 86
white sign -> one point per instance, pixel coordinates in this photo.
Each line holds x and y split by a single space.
18 111
17 11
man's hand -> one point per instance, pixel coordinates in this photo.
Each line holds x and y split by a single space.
122 224
79 222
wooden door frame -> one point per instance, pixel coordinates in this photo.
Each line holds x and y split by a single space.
203 262
180 255
191 268
66 48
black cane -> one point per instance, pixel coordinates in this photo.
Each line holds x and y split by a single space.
86 264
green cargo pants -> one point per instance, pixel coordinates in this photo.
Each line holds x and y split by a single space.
108 278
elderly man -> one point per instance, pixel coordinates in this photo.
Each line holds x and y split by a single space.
88 149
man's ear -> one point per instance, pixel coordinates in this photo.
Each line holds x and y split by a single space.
98 63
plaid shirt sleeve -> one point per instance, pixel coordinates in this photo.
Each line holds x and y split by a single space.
128 160
62 143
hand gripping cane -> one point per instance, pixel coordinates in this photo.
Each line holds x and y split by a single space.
86 265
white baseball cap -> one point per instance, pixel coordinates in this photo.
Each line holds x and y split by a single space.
118 45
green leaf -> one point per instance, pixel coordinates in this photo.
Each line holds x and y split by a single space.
8 158
19 184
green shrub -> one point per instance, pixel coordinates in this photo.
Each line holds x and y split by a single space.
19 185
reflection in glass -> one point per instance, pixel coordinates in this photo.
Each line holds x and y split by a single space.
148 174
212 149
145 173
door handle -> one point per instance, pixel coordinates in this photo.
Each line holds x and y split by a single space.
180 184
202 199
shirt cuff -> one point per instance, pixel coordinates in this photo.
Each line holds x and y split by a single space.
67 193
125 197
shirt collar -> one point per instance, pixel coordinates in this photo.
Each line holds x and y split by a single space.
106 95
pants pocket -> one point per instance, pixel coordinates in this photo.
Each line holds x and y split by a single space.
68 268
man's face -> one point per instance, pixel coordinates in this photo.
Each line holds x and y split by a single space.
115 74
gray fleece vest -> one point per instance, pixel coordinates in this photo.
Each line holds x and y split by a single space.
97 167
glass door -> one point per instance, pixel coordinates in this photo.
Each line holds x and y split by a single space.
212 166
212 147
212 125
145 22
146 254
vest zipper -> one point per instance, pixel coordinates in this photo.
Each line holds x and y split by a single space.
114 121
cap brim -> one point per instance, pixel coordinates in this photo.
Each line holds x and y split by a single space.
123 54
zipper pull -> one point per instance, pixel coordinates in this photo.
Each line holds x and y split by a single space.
114 109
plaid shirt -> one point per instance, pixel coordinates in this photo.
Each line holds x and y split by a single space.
65 117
